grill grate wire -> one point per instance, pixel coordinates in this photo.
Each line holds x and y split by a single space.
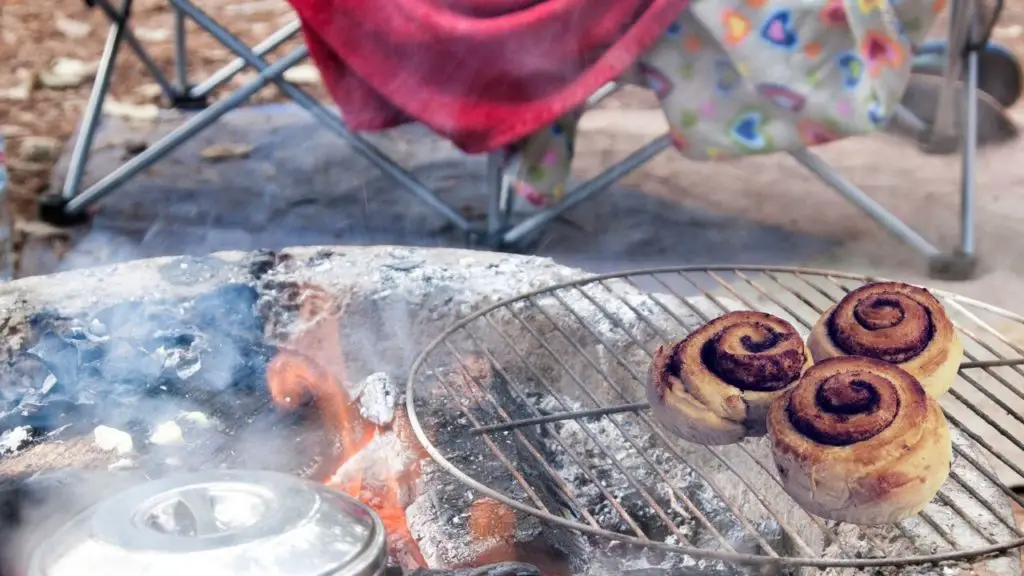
980 410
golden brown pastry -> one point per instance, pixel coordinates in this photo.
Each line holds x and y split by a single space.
858 440
714 386
898 323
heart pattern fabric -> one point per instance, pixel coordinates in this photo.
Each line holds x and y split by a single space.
778 30
744 77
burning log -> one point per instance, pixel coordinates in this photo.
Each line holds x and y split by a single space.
503 569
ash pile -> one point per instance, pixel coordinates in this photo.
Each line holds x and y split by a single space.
167 385
585 473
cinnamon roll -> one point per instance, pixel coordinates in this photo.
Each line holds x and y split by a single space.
897 323
858 440
714 386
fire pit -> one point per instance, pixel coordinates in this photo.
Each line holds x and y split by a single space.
293 362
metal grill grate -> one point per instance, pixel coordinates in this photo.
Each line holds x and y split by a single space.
571 361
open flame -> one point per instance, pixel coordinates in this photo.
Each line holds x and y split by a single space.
378 464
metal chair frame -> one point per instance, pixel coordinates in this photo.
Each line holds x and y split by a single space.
71 204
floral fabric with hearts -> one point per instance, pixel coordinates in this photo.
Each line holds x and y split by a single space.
742 77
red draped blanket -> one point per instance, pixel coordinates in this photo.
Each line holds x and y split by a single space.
483 73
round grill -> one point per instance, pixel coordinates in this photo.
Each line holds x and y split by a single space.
538 402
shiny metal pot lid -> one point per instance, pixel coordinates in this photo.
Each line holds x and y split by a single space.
215 523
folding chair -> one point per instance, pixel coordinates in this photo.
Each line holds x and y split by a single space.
69 207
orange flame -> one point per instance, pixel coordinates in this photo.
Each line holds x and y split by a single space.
318 374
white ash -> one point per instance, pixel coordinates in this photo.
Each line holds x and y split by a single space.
15 439
851 541
122 464
382 463
377 396
197 419
113 440
167 434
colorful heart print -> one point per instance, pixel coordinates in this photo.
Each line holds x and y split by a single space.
736 25
880 51
747 130
674 30
833 15
814 132
679 141
869 6
877 113
852 69
726 76
656 81
778 29
782 96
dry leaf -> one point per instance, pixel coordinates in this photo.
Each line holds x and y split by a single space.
250 8
68 73
38 229
72 28
1008 32
151 91
11 131
23 90
153 34
302 74
38 149
128 111
225 151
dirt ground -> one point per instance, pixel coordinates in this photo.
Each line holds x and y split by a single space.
47 44
49 50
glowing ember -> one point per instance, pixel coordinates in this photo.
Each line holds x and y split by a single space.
378 464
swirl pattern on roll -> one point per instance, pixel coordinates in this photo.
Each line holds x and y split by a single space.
859 440
896 323
715 385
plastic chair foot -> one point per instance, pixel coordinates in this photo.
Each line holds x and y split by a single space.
53 210
186 102
955 267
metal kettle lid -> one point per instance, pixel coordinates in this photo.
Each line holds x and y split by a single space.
236 522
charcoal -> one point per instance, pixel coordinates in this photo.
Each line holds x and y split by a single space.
229 310
502 569
58 355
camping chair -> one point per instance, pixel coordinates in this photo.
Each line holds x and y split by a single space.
968 29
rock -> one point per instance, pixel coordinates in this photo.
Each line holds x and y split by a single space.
68 73
225 151
71 28
39 149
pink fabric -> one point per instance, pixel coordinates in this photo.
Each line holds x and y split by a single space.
483 73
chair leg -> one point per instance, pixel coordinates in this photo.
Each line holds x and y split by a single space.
962 263
499 200
584 191
52 207
330 120
169 90
181 134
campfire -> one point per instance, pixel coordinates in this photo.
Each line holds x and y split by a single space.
377 458
294 366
